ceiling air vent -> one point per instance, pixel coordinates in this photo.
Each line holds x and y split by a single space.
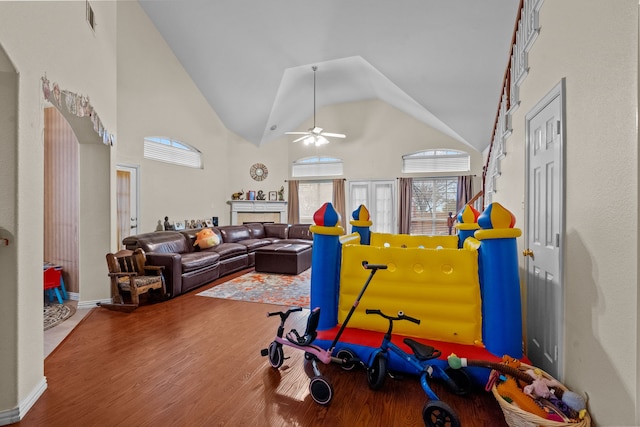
91 17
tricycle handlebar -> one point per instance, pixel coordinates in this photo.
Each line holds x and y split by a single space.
401 316
284 313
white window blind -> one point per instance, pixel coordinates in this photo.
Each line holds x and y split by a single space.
316 166
171 151
436 161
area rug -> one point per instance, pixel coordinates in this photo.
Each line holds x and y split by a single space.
54 314
267 288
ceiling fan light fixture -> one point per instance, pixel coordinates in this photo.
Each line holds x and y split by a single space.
321 140
316 140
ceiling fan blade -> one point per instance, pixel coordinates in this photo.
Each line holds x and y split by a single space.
335 135
296 133
301 138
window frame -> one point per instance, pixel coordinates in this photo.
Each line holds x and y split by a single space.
438 217
304 218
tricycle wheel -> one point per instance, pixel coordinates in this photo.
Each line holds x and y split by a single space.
276 354
321 390
460 382
436 413
349 359
377 372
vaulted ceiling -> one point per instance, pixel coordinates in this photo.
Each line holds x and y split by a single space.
440 61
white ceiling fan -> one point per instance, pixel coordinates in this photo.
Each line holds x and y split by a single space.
315 135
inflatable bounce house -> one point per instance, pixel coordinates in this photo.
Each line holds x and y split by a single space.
464 288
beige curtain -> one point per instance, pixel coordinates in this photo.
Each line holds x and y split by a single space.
293 205
465 191
404 214
339 201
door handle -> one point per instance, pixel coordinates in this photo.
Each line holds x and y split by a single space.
528 252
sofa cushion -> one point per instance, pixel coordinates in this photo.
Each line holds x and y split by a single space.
228 250
256 229
197 260
300 231
234 233
276 231
253 244
164 242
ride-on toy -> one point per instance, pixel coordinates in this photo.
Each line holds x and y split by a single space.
435 412
319 387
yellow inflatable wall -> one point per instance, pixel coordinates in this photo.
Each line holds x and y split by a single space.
410 241
438 286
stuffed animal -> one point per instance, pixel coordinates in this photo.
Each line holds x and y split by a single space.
206 239
541 386
511 392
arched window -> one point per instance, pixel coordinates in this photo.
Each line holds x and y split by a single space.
440 160
316 166
169 150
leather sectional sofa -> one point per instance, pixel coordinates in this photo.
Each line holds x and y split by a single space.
186 267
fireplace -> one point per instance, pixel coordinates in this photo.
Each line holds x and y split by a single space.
257 211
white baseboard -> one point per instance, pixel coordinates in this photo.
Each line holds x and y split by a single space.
93 303
16 414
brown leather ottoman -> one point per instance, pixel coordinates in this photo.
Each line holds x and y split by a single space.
283 258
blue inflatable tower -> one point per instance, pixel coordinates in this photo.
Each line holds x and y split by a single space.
361 224
325 264
467 223
498 269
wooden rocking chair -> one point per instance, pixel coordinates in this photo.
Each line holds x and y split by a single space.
129 273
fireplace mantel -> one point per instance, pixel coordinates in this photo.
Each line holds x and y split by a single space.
257 207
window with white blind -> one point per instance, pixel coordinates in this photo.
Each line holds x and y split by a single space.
432 200
440 161
171 151
379 197
316 166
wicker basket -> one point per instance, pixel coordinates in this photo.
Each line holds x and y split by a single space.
517 417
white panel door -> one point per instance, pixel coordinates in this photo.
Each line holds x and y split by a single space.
544 233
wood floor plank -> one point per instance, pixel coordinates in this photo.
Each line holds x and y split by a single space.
195 361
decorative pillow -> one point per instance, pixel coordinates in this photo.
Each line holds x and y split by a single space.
206 239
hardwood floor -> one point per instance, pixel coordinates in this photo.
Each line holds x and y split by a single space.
195 361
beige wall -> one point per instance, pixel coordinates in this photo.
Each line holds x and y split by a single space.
53 39
156 97
138 88
597 53
376 139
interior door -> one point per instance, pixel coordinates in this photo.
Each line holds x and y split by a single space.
127 202
545 232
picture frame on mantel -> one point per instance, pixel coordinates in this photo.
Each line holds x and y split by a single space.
273 196
251 195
